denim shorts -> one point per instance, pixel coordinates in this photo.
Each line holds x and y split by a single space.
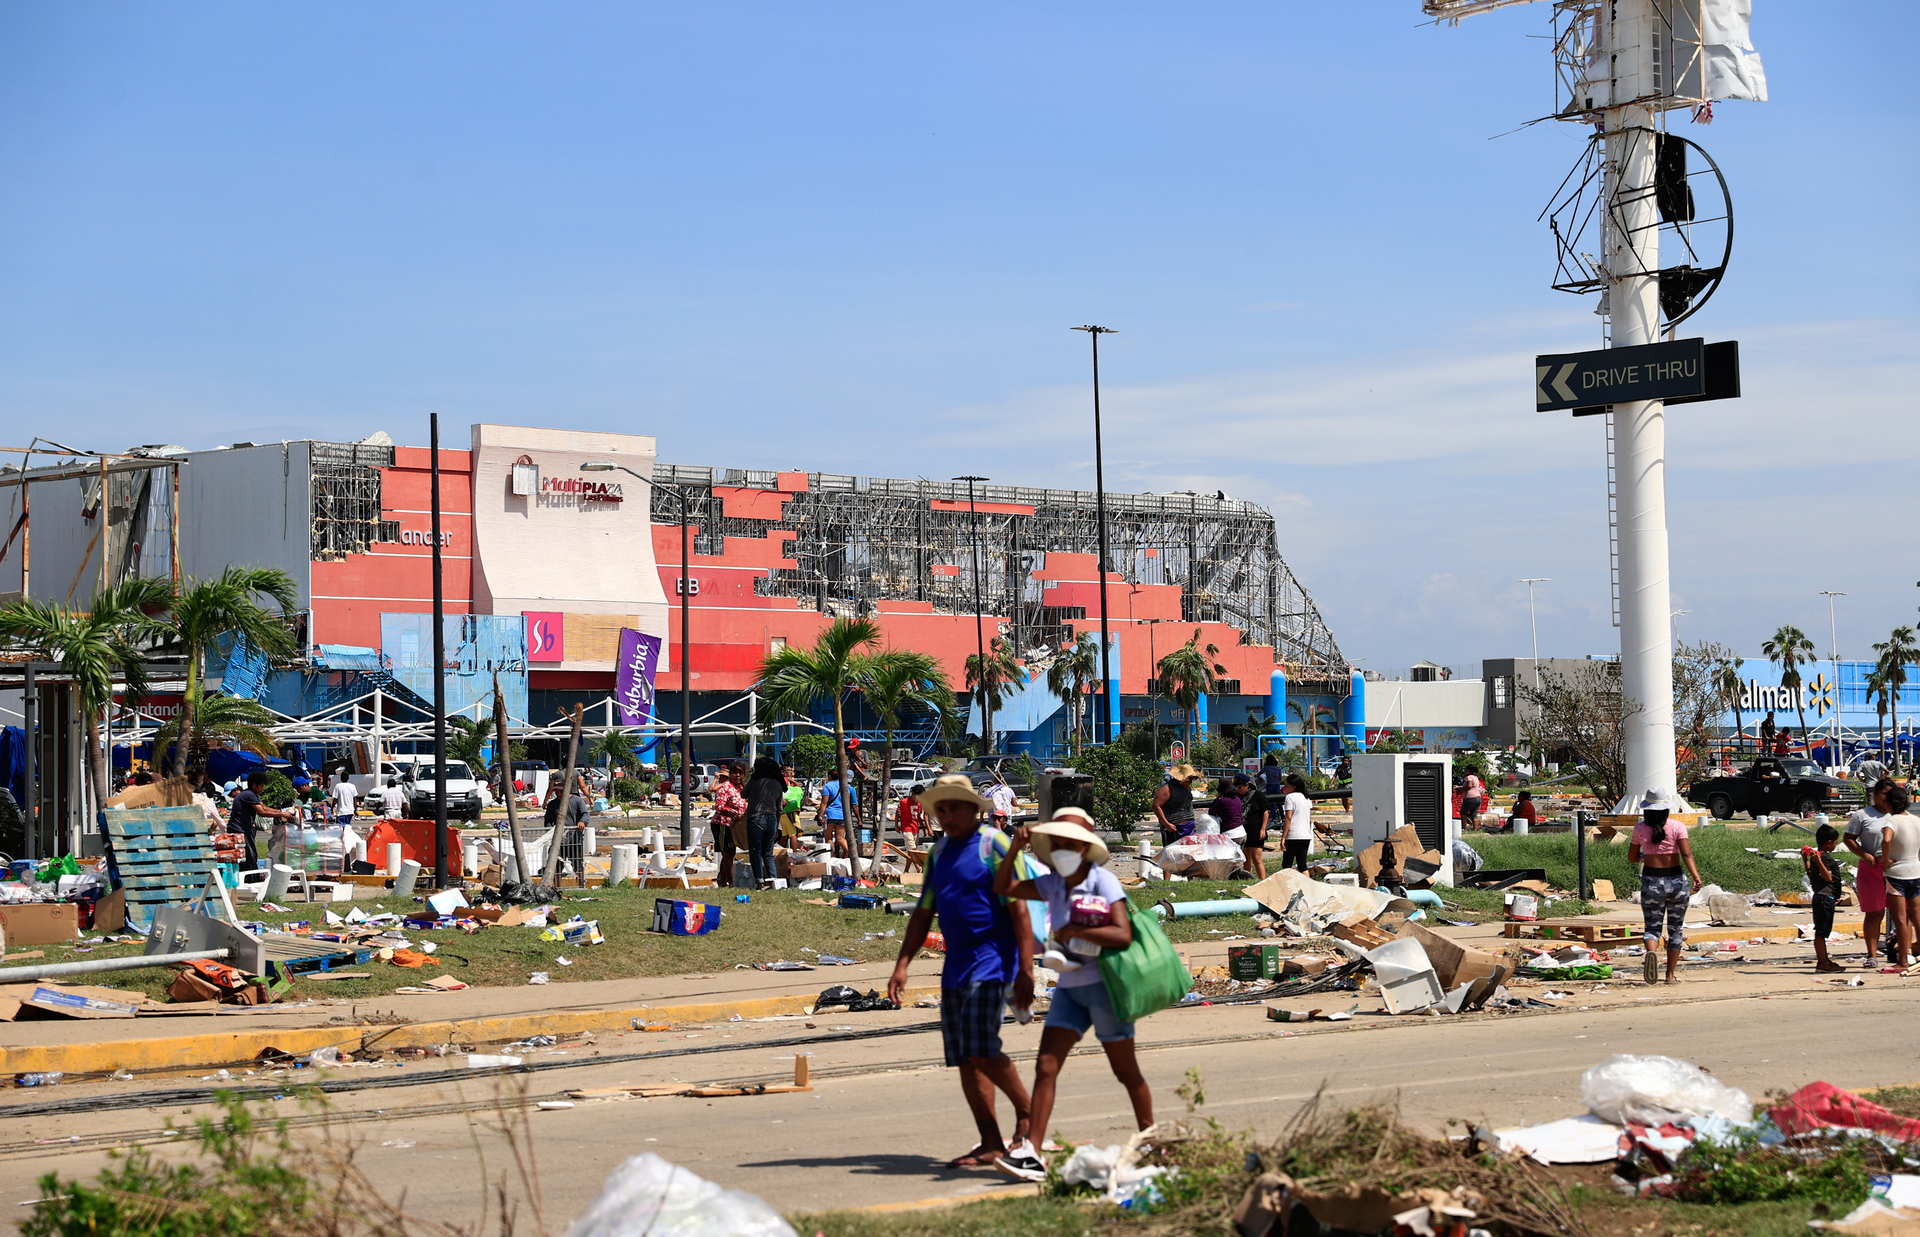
1076 1009
1901 887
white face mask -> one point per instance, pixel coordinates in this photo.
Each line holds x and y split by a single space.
1065 862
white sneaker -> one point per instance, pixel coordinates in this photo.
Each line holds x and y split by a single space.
1055 960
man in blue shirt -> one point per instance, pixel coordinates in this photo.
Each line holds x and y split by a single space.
833 813
989 948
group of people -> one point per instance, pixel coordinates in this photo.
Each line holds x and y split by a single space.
753 809
1884 836
974 885
1244 811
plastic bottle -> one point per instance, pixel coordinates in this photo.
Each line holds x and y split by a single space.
39 1080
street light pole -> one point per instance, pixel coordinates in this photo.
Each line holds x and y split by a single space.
1833 645
686 642
979 631
1107 703
439 674
1530 581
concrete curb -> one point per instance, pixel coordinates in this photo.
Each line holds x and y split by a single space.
225 1048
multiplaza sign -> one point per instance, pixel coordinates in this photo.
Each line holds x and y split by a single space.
570 490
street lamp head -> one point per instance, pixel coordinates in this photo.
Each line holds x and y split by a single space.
971 478
1096 330
598 466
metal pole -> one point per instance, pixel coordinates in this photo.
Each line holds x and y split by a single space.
686 680
979 632
1632 259
439 675
1107 702
1530 581
1580 832
30 722
1833 644
23 974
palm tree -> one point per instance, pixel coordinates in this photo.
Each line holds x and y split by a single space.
1310 717
613 748
1881 693
467 740
1001 669
1073 668
1186 674
95 646
1727 684
1895 652
793 679
241 721
206 610
1787 648
893 682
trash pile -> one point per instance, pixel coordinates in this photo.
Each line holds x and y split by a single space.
1672 1130
1415 969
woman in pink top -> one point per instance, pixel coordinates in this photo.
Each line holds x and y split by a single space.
1660 846
1472 801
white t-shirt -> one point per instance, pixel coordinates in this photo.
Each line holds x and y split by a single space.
1002 796
1903 858
1865 826
344 794
1081 903
393 801
1299 810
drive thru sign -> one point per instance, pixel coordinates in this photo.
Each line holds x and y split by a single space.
1668 371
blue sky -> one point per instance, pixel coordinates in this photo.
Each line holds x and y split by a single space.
852 238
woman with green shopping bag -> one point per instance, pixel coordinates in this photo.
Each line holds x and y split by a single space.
1089 916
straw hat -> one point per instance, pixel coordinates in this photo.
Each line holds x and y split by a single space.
1182 772
1072 824
952 786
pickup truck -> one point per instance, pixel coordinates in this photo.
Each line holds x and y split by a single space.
1785 784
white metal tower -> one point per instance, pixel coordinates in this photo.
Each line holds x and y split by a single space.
1624 64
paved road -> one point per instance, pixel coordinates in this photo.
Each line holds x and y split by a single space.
883 1114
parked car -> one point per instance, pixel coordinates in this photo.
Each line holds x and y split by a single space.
1787 784
985 770
465 794
906 777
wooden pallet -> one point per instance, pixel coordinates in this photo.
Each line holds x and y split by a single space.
163 856
1585 933
300 955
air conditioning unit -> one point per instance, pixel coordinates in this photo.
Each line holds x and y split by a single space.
1392 790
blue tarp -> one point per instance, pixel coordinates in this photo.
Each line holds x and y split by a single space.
348 657
246 671
13 761
477 646
1029 706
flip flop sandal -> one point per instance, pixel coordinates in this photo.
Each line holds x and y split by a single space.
976 1159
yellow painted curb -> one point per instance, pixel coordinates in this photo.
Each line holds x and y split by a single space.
228 1047
955 1200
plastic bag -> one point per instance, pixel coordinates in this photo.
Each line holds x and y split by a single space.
1199 851
648 1197
1653 1091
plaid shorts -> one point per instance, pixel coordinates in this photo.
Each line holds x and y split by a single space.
970 1018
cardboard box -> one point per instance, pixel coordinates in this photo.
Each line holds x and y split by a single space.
805 871
1253 961
1453 962
39 923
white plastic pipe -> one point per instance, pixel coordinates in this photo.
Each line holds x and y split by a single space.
591 847
279 877
26 974
626 865
403 883
470 857
393 858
